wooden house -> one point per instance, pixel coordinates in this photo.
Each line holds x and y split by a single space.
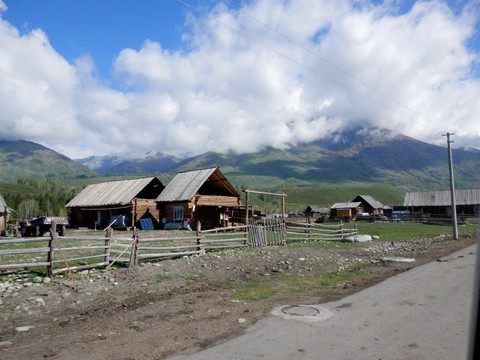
346 210
316 211
4 214
203 195
128 200
370 205
440 203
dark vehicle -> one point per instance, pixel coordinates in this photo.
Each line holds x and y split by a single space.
42 224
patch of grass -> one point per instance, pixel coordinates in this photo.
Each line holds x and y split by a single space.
256 290
193 278
265 288
164 277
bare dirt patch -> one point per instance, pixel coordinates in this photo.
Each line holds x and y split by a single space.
161 308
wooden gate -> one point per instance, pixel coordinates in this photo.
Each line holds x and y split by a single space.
271 232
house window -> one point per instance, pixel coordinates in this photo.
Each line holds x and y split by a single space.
178 213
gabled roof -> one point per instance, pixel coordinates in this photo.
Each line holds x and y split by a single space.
317 209
442 198
187 184
370 201
3 206
111 193
346 205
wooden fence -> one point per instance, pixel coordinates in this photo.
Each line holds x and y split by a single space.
308 231
59 254
56 254
222 238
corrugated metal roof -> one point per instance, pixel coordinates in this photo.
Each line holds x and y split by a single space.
346 205
371 201
185 185
3 205
442 198
110 193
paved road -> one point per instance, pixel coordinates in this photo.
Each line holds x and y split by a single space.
423 313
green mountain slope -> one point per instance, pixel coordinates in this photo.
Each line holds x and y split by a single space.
27 159
399 161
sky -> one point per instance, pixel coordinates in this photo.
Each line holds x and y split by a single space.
183 77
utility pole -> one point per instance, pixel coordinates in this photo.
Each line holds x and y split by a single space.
452 187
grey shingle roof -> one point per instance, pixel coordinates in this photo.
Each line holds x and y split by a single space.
442 198
110 193
185 185
346 205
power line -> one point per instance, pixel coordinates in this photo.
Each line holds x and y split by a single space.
426 120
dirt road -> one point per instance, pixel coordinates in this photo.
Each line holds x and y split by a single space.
424 313
159 309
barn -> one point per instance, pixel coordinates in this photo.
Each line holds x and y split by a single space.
128 200
203 195
440 203
4 214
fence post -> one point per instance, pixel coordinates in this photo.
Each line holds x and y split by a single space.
341 230
133 255
107 246
53 228
309 229
265 232
199 235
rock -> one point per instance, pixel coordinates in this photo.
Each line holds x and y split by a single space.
349 239
241 320
40 301
363 238
24 328
398 259
375 237
84 272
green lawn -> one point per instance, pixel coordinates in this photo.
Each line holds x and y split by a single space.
399 231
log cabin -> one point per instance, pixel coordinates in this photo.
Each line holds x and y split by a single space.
128 200
203 195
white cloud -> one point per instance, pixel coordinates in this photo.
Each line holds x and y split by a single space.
335 63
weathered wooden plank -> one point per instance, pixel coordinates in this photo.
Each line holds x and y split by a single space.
224 234
24 251
23 265
159 255
21 241
167 247
192 238
80 267
81 248
213 241
225 228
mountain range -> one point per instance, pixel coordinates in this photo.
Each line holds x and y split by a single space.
355 155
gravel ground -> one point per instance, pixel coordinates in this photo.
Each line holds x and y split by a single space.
161 308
